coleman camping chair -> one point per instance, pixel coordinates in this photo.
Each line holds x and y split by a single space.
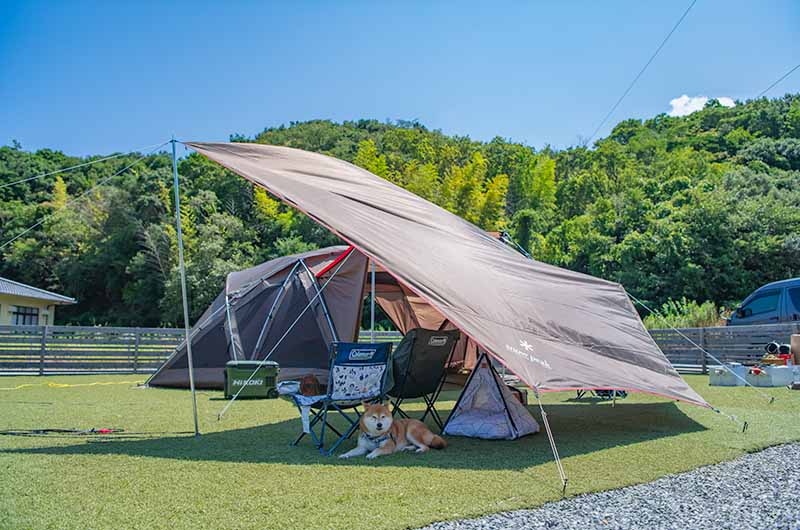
358 372
420 363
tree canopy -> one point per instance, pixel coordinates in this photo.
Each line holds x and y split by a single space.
704 207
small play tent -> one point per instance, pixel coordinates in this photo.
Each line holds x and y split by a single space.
487 408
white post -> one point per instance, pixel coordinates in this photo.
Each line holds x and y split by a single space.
182 266
372 303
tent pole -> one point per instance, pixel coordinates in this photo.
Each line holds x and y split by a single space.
331 327
552 441
372 302
278 298
182 266
230 327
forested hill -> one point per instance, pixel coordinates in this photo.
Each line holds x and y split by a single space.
705 207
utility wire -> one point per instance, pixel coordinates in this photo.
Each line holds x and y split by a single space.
635 79
84 164
70 202
784 76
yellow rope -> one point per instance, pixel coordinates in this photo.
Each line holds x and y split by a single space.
64 385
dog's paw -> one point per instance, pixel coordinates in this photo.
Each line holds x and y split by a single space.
344 456
372 456
421 450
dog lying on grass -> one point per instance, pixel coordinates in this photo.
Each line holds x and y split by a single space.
382 435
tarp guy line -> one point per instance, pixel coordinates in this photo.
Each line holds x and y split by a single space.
84 164
75 199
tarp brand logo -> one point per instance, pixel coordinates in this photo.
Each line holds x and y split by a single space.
245 382
439 340
528 347
361 355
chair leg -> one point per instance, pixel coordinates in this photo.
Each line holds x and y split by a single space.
431 409
348 433
321 445
396 405
314 420
320 417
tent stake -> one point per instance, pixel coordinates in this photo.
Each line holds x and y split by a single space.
182 266
733 418
552 441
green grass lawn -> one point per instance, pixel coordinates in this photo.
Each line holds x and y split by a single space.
242 473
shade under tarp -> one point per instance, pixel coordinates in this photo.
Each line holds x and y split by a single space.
556 329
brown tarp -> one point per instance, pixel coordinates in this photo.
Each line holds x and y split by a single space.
555 329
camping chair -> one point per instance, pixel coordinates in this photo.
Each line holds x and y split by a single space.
358 372
604 394
419 365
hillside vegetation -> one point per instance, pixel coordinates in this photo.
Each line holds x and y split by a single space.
704 207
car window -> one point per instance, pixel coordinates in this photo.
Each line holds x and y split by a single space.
765 302
794 295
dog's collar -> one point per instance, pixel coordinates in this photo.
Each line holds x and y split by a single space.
377 440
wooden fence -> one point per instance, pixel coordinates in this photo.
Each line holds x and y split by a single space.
47 350
76 349
743 344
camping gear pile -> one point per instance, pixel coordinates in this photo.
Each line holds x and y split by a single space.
776 367
777 354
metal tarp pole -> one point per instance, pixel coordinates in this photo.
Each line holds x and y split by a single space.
182 266
372 302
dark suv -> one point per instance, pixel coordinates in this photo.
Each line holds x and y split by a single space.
770 304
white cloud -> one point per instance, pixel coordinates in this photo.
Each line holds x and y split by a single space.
725 101
685 105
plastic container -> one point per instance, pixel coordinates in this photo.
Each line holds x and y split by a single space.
771 376
262 384
720 376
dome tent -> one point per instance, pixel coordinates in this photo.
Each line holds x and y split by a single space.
247 319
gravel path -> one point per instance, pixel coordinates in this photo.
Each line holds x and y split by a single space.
760 490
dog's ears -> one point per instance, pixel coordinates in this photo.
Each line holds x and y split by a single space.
365 405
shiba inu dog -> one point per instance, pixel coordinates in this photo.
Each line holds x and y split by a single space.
382 435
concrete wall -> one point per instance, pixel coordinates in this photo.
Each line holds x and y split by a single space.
47 311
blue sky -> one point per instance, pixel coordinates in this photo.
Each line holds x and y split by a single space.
109 76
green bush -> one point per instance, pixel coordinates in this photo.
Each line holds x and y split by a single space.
684 313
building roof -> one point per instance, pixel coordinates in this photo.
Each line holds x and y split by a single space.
13 288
